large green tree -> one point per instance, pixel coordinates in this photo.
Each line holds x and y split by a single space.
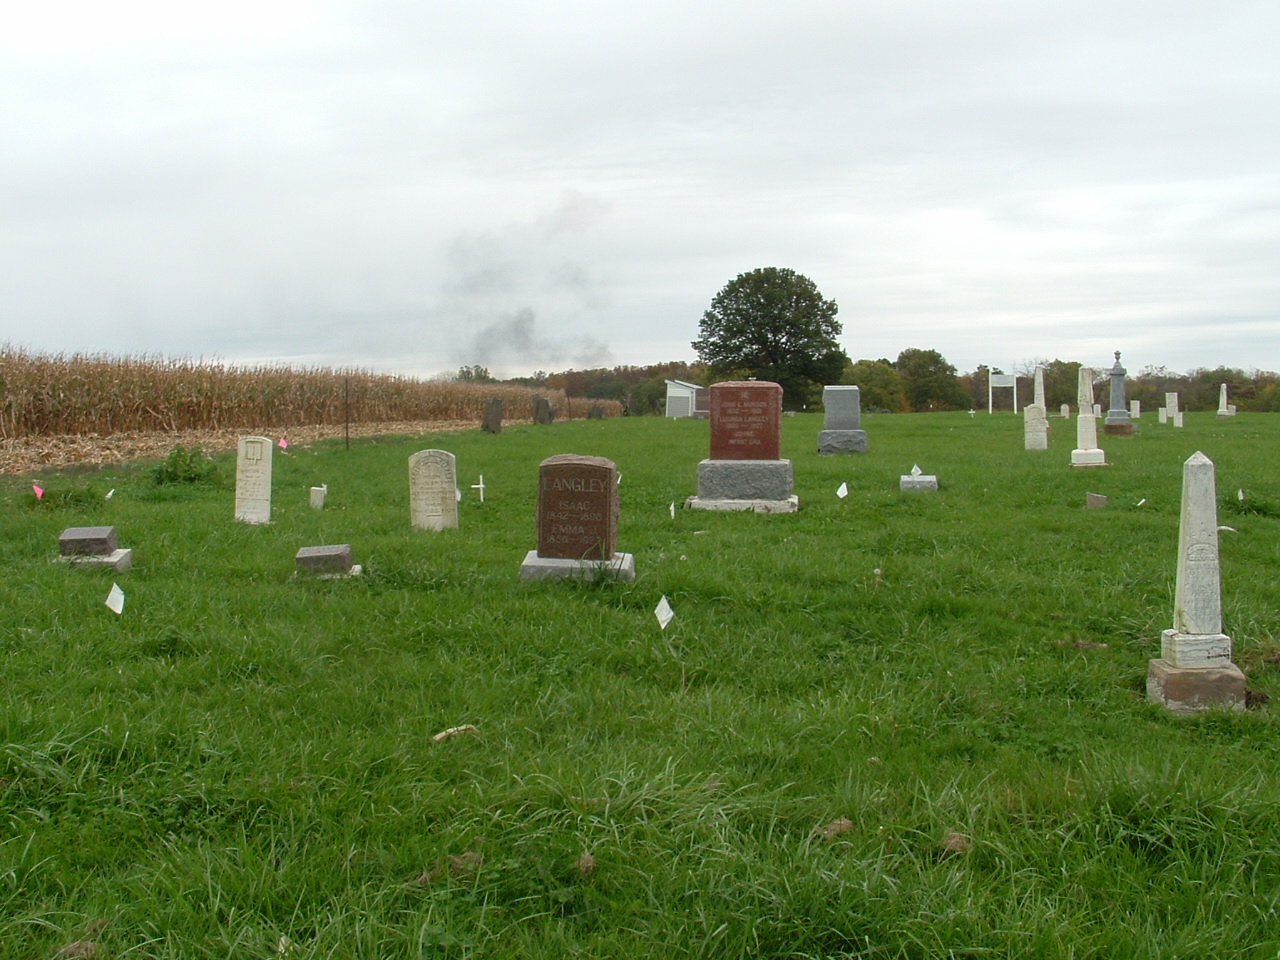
773 324
930 382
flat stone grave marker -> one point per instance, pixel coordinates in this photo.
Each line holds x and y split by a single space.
577 521
1095 501
93 547
253 480
433 490
327 561
917 480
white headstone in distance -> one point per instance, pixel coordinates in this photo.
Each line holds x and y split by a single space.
1066 411
1135 409
1163 414
317 496
1087 452
253 480
433 483
1177 418
1097 409
1225 409
1084 391
1171 402
1035 427
1037 388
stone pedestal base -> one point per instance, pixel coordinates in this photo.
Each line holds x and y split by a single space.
842 441
789 505
621 567
745 480
1190 689
1088 458
924 481
116 560
1118 429
1195 649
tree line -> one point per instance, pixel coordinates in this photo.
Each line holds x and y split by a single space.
920 381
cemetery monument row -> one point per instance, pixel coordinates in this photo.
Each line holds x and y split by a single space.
433 490
745 471
577 522
842 421
253 480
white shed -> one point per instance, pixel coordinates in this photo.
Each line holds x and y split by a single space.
687 399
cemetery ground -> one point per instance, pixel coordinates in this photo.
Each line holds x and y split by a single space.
890 725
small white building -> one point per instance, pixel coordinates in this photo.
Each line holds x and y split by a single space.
687 400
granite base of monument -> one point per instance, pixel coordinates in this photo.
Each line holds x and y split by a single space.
745 480
789 505
117 560
842 441
1088 458
1192 689
622 568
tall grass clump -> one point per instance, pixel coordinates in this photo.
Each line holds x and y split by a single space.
57 394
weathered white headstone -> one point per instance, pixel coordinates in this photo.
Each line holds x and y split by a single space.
1035 427
1163 414
1171 402
317 496
1195 669
1066 411
1037 388
1087 452
253 480
1177 418
1135 409
433 483
1224 409
1097 409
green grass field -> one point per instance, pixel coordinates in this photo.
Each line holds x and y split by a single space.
893 725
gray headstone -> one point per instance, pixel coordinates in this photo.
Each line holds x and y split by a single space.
334 559
542 410
492 422
87 542
842 408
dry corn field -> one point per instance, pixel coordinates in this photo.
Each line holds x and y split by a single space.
57 410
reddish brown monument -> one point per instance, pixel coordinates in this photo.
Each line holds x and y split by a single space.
577 508
746 420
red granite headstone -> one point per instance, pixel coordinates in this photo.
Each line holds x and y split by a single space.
577 508
746 420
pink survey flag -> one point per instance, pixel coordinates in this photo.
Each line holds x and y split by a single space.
283 444
39 491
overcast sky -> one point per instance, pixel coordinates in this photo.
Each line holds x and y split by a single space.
412 186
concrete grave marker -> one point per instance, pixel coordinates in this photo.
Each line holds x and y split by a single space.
93 547
577 521
1066 411
1177 418
1135 409
492 422
842 421
1163 414
917 480
744 471
318 495
253 480
433 490
328 561
1194 670
1225 409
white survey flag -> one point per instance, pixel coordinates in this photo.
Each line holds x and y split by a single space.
115 599
663 612
842 491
